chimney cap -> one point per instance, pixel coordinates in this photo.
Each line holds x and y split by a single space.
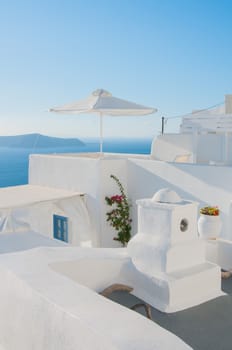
165 195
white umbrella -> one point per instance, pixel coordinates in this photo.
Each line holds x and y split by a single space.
103 103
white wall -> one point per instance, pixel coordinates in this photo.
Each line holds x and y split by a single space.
202 148
70 173
210 147
61 171
87 175
168 146
117 167
203 183
141 178
40 219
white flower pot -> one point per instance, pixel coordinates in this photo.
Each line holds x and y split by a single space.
209 226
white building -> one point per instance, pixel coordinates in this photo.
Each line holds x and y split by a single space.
205 137
65 199
141 177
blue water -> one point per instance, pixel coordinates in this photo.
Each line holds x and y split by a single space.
14 162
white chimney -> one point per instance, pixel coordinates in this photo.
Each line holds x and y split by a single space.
228 104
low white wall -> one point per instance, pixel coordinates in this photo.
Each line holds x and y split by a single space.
60 171
203 183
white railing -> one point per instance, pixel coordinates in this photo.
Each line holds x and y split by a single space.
220 124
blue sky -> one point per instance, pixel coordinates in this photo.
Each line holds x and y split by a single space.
174 55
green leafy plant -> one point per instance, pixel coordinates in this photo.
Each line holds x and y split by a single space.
119 216
213 211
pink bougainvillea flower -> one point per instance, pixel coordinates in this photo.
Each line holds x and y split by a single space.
119 215
116 198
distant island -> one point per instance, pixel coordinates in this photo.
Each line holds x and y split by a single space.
38 141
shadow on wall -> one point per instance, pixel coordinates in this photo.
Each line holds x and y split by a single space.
205 184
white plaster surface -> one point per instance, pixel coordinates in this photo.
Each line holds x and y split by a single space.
164 219
172 254
167 292
169 147
219 251
90 175
24 195
165 195
152 255
162 244
31 207
206 184
13 242
52 311
98 268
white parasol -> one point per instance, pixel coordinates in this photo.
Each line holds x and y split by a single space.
103 103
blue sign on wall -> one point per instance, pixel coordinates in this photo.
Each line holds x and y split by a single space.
60 227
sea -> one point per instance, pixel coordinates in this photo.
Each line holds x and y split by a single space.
14 161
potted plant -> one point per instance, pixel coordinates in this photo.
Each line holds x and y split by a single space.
209 223
119 215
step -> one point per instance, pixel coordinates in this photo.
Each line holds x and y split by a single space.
178 290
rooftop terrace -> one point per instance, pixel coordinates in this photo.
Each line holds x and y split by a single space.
203 327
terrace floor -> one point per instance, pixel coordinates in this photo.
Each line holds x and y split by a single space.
205 327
